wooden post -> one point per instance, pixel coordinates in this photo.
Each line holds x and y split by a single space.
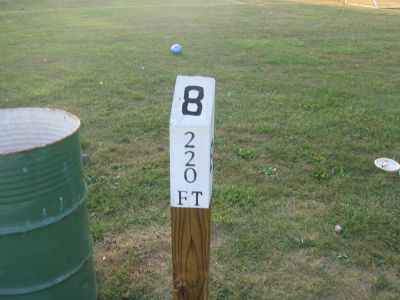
191 172
190 252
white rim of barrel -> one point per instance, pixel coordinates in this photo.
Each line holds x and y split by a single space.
387 164
29 128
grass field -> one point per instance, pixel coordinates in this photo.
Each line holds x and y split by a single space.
307 98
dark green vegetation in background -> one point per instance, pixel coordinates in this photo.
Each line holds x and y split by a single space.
307 98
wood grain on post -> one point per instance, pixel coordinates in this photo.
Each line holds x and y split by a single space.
191 178
190 252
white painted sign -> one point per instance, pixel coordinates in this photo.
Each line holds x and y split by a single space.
192 142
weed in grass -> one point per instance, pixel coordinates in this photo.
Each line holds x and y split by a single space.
341 256
339 171
148 167
269 171
321 175
318 159
106 112
245 153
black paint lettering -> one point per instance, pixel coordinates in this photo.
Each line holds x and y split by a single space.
190 173
189 164
196 101
193 177
197 197
191 139
180 197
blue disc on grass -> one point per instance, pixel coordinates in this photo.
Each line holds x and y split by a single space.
176 49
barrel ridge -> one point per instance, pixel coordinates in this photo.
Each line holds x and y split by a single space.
46 222
55 281
43 184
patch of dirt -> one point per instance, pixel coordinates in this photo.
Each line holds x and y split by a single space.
139 252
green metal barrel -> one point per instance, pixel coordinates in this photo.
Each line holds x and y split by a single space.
45 244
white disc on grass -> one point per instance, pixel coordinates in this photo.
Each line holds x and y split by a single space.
387 165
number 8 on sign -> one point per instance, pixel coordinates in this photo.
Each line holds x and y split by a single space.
192 141
196 101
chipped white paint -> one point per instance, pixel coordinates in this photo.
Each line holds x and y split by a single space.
61 203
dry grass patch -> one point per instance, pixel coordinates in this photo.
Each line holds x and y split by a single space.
134 257
348 281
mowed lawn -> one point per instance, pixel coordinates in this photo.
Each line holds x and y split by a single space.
307 98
